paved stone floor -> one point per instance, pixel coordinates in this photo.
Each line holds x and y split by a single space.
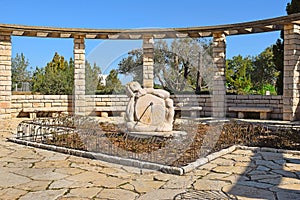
32 173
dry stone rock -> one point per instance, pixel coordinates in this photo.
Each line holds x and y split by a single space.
109 182
85 192
41 174
116 194
34 185
11 193
9 179
146 186
162 194
287 195
45 194
179 182
87 177
69 171
271 156
244 192
230 169
52 164
223 162
203 184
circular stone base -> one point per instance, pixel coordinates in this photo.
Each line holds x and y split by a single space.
156 134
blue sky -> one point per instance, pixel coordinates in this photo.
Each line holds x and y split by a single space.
133 14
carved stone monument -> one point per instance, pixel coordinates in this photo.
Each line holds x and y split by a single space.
149 110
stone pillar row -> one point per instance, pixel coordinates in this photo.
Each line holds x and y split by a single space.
5 75
291 95
291 75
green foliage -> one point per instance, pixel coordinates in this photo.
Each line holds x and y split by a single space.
133 65
113 84
238 71
55 78
278 62
91 77
252 75
264 70
293 7
267 87
20 73
175 64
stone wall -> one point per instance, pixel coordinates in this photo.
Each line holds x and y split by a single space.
291 79
273 101
148 61
119 102
205 102
38 101
5 75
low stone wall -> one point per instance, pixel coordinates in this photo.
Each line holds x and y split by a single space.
18 102
205 102
275 102
119 102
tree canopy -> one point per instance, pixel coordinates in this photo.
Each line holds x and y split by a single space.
19 70
252 75
176 64
91 77
57 77
238 77
113 84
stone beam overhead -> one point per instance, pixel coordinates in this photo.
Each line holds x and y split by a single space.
259 26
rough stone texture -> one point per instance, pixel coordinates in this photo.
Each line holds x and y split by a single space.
291 111
116 194
162 194
117 103
148 110
219 94
203 184
11 193
148 61
45 195
85 192
31 173
10 179
79 75
179 182
143 186
241 191
5 78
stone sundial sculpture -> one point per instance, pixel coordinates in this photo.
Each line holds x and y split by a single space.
149 110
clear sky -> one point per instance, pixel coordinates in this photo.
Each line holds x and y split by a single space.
133 14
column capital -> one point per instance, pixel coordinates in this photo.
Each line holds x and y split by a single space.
220 34
79 36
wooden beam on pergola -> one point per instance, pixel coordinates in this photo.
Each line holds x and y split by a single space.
267 25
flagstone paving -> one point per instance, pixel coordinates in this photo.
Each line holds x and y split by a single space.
32 173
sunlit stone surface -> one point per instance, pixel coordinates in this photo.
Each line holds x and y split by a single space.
148 110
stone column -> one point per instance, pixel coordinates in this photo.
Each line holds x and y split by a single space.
148 61
5 75
79 75
219 89
291 80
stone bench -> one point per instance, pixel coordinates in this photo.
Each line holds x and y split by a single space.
242 110
105 109
192 109
53 110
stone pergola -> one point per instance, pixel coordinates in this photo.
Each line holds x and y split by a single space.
290 24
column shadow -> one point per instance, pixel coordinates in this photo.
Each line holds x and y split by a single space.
269 175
